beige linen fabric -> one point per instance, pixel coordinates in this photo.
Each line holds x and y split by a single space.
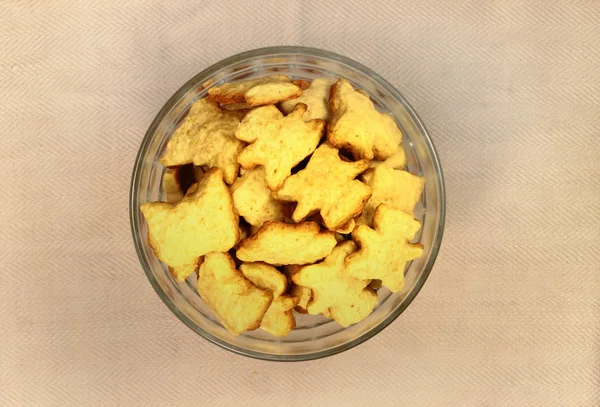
510 91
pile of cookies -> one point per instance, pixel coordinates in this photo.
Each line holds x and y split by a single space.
286 195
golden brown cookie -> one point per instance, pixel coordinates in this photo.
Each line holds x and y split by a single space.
356 125
206 138
267 90
278 143
279 243
327 185
316 97
385 249
347 298
279 320
397 188
239 304
254 201
201 222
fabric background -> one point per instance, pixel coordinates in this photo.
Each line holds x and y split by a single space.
510 92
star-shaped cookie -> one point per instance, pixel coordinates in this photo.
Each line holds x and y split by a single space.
356 125
385 249
347 298
327 185
278 142
206 138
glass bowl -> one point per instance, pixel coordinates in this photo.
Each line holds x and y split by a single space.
314 336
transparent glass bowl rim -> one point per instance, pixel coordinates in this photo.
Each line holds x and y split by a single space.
275 51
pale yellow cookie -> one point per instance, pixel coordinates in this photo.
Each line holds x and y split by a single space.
239 304
339 237
347 298
176 182
265 277
376 284
181 273
397 188
304 294
356 125
198 172
206 138
385 249
327 185
302 84
396 161
267 90
236 106
171 186
279 320
280 243
347 228
316 97
244 231
254 201
201 222
271 93
278 143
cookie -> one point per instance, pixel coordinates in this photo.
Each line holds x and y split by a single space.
316 97
181 273
348 299
347 228
327 185
170 184
206 138
279 319
279 243
376 284
340 237
385 249
239 304
357 126
254 201
203 221
198 173
277 143
397 188
396 161
304 294
302 84
176 181
267 90
236 106
244 231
